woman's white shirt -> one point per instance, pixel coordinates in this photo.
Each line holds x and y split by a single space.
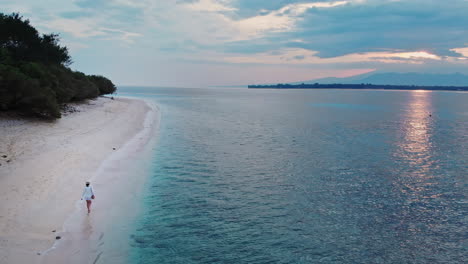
87 193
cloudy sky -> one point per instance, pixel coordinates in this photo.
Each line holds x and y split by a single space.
196 43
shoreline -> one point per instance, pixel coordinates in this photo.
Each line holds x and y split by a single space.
41 185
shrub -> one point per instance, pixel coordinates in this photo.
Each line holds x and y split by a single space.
105 85
26 94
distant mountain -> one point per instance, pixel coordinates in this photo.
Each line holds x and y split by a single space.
392 78
330 80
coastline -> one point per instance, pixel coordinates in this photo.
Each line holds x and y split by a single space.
40 187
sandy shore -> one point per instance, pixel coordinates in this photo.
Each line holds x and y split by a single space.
44 165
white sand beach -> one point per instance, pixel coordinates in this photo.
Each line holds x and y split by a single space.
44 166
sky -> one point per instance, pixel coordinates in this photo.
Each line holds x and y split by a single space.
200 43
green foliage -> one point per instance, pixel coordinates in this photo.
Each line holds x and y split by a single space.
52 52
105 85
34 77
22 92
80 81
25 44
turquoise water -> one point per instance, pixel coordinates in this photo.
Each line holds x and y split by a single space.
305 176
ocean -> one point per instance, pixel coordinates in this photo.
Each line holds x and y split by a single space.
304 176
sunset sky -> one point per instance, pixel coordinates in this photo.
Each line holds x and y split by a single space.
197 43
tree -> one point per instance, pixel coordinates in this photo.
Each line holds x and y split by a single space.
34 74
52 52
24 43
105 85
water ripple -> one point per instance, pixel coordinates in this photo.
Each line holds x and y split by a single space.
263 177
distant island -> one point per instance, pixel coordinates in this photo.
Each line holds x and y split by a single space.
35 78
359 86
382 81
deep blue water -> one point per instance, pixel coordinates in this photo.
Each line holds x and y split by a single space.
305 176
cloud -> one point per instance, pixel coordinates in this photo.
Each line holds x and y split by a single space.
209 6
74 46
296 56
435 26
211 22
83 20
329 28
126 36
462 51
298 35
281 20
80 28
86 27
332 28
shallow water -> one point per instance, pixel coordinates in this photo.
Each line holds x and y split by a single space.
305 176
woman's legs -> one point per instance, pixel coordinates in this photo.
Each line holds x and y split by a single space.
88 205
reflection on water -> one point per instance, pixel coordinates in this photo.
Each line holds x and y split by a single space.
419 189
415 145
417 128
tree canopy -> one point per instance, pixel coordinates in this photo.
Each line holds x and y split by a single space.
35 77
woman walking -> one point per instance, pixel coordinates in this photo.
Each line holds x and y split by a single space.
88 195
